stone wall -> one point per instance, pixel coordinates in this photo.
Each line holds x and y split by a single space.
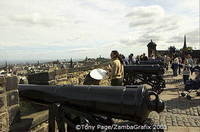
77 76
10 117
9 103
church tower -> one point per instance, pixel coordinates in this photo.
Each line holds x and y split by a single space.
185 45
151 49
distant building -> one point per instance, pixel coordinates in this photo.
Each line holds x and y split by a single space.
184 51
152 49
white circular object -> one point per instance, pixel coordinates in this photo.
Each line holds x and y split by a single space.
98 74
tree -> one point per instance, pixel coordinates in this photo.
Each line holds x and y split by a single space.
172 49
187 49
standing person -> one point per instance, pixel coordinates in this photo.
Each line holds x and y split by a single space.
179 65
190 62
137 59
130 59
166 61
186 73
125 62
144 57
152 57
117 69
175 66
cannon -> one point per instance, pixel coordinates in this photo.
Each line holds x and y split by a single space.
153 62
93 104
145 74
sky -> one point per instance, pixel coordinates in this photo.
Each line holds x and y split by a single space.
63 29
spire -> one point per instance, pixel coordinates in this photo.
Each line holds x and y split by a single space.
185 45
71 63
6 64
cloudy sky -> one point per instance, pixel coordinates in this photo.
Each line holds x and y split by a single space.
61 29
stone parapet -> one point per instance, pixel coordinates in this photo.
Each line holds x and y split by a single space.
9 102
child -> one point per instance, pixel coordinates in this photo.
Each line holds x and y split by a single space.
186 73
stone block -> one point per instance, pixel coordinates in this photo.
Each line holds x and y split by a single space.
1 89
41 78
2 103
40 128
3 122
13 114
2 80
11 83
2 84
12 98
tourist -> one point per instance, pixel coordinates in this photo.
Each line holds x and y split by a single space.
179 65
175 66
117 69
190 61
125 62
166 61
186 73
152 57
144 57
130 59
137 59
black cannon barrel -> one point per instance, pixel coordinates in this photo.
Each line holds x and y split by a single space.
145 69
152 62
119 101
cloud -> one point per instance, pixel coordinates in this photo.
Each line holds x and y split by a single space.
150 11
38 19
152 18
153 22
78 50
92 27
192 38
144 16
146 38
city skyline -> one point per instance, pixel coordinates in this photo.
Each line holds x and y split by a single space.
40 30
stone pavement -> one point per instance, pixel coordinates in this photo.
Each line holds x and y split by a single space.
180 114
